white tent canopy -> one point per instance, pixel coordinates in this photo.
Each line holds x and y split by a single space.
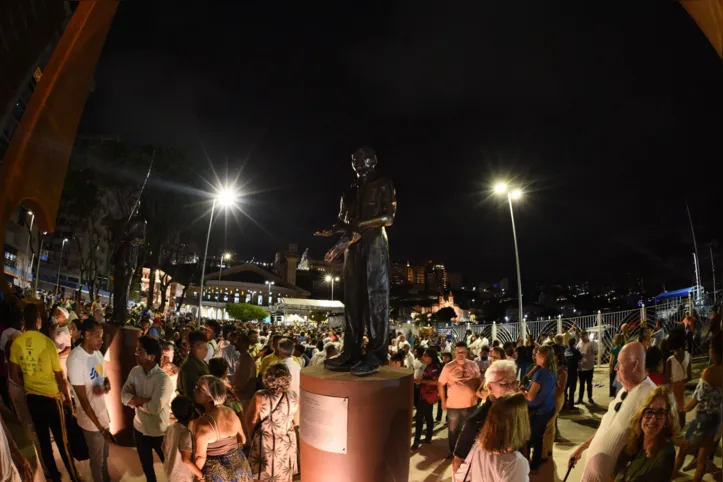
311 305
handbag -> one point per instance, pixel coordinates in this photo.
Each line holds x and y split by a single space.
76 440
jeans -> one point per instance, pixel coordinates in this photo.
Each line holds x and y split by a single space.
424 414
439 411
146 445
585 379
98 450
47 414
538 424
455 421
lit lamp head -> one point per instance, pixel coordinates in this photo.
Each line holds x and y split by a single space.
328 278
516 193
227 197
501 188
226 256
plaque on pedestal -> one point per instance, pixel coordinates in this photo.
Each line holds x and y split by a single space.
355 429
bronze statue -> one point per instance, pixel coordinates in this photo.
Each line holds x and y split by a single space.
368 206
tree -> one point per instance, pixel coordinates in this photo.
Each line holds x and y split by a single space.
83 208
245 312
422 319
446 314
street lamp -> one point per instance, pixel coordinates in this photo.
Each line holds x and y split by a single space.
40 253
502 188
60 263
226 198
270 284
331 279
29 269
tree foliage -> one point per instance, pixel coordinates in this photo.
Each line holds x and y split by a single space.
245 312
422 319
446 314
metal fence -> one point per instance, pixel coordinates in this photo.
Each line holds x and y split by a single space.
602 327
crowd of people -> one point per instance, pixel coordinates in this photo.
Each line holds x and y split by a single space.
221 402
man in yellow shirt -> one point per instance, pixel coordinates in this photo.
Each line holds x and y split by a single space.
34 362
273 357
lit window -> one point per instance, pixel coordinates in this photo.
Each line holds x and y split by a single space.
260 300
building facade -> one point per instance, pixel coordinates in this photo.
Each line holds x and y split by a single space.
29 32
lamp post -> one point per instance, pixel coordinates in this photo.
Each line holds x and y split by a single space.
270 284
515 194
60 263
29 269
226 198
40 253
331 279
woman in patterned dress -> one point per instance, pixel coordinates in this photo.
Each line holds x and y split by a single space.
272 415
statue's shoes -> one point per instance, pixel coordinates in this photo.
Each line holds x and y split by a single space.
365 368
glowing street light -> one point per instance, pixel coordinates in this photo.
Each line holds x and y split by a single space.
60 263
29 267
331 279
502 188
226 197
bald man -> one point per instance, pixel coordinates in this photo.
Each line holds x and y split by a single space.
611 436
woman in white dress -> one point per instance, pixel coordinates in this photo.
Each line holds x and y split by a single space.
495 456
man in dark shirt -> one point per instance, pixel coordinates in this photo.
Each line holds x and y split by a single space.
500 380
194 367
572 358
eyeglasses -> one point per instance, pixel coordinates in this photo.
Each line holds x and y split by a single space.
620 403
509 385
658 414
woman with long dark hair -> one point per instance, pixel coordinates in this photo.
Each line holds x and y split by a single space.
541 400
428 396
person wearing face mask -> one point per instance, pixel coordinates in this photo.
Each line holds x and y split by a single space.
500 380
650 451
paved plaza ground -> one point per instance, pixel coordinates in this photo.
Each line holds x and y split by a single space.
429 464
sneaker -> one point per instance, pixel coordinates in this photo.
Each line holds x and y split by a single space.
592 402
427 441
415 446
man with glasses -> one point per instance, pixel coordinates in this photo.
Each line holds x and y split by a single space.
500 380
611 436
148 390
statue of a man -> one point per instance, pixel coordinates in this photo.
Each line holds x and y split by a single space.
367 207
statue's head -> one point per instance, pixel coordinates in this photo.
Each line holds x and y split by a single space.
364 160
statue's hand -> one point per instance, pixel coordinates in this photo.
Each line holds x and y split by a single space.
324 232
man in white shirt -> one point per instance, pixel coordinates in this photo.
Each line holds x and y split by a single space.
87 376
212 329
408 357
60 334
588 350
604 447
329 351
148 390
286 349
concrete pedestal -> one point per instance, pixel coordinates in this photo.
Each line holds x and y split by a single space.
379 424
120 344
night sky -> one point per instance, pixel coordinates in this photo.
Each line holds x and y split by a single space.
609 117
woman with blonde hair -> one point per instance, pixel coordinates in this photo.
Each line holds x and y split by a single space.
541 400
218 435
495 455
650 451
